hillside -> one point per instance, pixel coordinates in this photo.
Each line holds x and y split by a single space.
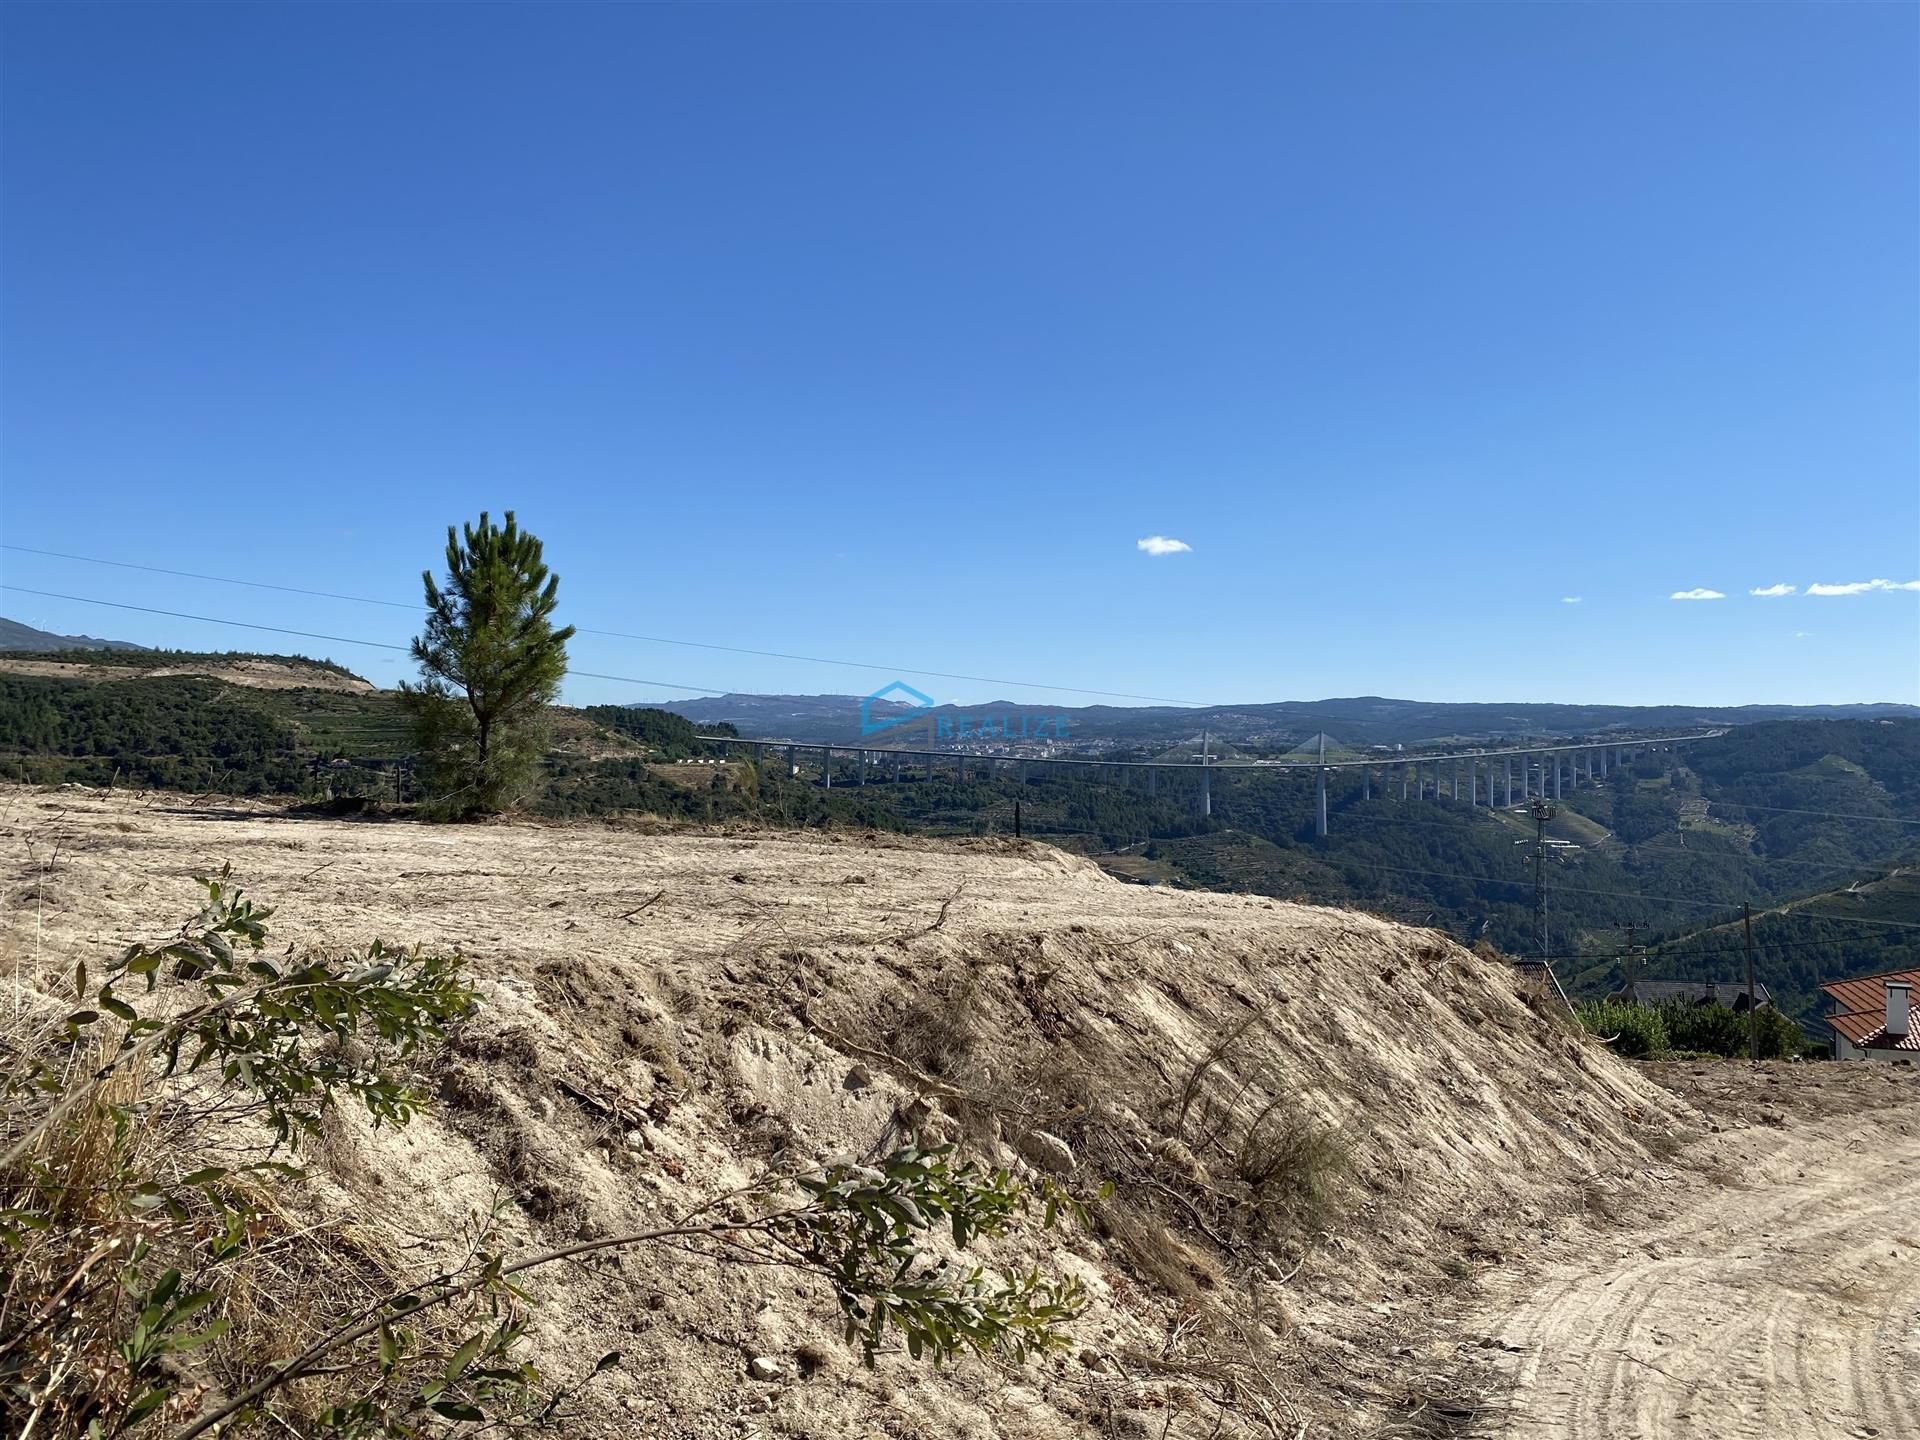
232 667
1862 928
1768 813
282 725
17 637
1328 1130
1273 728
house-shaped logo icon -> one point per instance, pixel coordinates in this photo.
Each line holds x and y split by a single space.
896 693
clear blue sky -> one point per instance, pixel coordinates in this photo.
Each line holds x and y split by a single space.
890 333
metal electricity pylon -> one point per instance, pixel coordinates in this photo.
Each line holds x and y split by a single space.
1541 812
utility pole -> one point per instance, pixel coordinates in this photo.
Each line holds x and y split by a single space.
1542 812
1636 956
1753 1029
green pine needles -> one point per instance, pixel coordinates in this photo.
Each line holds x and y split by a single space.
490 663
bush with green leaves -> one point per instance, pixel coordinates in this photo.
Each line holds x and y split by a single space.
1683 1027
1635 1031
1716 1029
1780 1038
1709 1029
148 1137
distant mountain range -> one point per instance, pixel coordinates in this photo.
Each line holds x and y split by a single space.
15 636
1356 722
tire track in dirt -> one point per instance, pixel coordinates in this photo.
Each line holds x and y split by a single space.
1783 1308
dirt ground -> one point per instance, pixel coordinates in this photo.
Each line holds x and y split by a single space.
1519 1219
1778 1299
260 674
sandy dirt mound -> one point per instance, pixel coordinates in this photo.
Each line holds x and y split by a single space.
1326 1129
260 674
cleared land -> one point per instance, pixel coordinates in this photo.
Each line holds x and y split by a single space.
668 1011
1782 1301
259 672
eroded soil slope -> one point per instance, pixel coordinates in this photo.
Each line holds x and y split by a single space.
667 1011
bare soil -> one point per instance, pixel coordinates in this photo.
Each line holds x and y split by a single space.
259 674
1779 1299
667 1011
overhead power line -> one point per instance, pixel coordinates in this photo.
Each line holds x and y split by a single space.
607 634
336 639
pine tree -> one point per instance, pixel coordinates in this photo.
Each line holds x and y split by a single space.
490 665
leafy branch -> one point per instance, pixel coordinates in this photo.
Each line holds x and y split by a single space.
111 1276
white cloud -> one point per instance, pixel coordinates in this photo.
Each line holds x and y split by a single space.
1803 634
1571 599
1774 590
1161 545
1697 594
1861 587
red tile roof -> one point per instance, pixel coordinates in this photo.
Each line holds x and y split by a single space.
1860 1010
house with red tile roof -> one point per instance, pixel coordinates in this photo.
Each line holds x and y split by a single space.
1873 1017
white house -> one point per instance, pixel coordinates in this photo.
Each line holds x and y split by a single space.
1873 1017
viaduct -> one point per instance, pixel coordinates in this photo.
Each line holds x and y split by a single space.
1494 778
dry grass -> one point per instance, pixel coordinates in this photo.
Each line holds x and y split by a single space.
935 1031
1296 1170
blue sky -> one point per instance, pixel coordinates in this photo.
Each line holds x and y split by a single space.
890 333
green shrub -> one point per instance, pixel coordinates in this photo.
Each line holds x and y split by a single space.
1779 1036
1712 1029
1636 1031
1716 1029
1681 1028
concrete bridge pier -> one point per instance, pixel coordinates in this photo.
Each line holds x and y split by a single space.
1320 803
1206 790
863 767
1509 770
1366 782
1556 774
1603 764
793 760
896 767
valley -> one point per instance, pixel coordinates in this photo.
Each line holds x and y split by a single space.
1814 822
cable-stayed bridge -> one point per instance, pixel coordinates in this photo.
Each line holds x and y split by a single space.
1495 778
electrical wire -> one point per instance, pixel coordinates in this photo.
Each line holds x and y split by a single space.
586 630
710 690
336 639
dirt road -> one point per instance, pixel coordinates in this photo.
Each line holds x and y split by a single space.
1782 1302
